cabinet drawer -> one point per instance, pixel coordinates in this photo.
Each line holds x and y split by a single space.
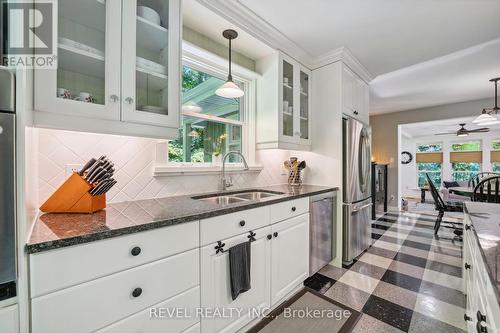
65 267
94 305
157 320
225 226
9 319
288 209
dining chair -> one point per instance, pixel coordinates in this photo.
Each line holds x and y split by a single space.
487 190
444 206
475 179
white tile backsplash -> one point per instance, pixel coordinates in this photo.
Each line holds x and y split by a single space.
134 162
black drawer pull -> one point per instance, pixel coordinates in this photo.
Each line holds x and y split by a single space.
242 223
480 316
480 328
275 234
356 112
294 209
136 251
467 266
467 227
137 292
467 318
269 236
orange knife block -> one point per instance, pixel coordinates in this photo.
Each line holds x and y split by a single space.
73 197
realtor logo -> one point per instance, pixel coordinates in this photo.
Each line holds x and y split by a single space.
29 34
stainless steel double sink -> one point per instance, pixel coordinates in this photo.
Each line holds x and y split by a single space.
224 199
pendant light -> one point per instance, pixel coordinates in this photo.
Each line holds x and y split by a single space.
229 89
486 117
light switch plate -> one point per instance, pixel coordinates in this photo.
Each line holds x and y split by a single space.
70 168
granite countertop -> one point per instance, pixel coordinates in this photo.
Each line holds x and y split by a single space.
485 218
52 231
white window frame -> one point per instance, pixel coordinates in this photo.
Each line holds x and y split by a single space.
429 152
455 151
202 60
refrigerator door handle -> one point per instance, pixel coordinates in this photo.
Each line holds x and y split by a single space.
361 208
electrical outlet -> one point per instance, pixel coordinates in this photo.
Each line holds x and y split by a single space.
70 168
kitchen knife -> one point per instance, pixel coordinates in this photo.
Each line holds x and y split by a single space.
106 187
100 186
91 176
91 170
86 166
98 175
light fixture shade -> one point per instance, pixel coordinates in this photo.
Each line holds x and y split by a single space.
463 134
229 90
484 118
492 122
191 107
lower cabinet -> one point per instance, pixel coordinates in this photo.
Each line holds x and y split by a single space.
280 263
9 319
482 308
216 283
290 256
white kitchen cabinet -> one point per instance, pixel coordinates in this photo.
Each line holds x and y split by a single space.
118 73
96 304
290 256
355 95
216 286
9 319
284 104
480 294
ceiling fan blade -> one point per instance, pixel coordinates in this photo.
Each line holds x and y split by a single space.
479 130
449 133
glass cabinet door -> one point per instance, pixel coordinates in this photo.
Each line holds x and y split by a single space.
87 79
151 63
288 99
304 105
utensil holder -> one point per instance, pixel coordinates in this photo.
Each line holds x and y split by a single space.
73 197
295 177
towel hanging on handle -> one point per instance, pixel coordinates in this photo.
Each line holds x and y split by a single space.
239 268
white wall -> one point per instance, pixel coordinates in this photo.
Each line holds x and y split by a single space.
409 171
59 151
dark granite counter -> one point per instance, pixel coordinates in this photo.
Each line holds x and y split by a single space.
53 231
485 218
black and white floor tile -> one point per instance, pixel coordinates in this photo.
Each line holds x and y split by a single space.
407 281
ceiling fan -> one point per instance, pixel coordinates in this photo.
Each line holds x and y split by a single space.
462 131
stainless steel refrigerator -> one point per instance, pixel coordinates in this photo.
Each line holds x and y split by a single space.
356 188
7 184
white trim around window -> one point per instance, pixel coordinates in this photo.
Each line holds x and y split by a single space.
202 60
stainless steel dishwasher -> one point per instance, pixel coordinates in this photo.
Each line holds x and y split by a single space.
322 227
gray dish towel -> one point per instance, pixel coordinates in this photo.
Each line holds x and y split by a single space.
239 268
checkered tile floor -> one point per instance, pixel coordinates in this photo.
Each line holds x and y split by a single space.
408 281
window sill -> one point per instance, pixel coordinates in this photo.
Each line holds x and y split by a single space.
170 170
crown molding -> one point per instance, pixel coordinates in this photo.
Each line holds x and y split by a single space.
240 15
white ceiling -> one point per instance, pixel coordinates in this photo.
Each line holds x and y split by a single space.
206 22
384 35
430 128
457 77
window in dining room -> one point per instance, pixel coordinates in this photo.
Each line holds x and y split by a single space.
466 159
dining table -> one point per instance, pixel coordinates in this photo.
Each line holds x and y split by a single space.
462 190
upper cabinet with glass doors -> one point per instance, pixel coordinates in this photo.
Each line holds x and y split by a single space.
284 105
118 68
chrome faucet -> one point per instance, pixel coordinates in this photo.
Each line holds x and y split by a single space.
228 182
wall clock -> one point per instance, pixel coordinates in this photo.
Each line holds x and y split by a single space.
406 157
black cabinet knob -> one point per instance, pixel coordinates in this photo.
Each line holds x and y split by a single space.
294 209
467 227
466 317
480 328
355 112
275 234
467 266
136 251
480 316
137 292
242 223
269 236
